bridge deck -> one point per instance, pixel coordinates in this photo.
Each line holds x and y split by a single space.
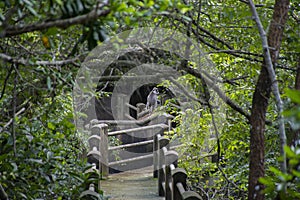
131 185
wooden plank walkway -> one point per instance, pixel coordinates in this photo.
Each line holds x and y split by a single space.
131 185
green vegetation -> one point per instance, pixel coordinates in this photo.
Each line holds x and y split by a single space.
42 46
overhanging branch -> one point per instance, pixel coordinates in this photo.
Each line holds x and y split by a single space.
220 93
62 23
237 53
23 61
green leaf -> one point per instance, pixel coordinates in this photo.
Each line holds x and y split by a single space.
32 11
186 18
122 7
49 155
79 5
60 2
289 152
150 3
51 126
266 181
296 173
76 176
184 10
51 31
294 95
49 83
277 172
39 161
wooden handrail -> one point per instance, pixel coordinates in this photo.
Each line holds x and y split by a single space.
99 137
134 130
171 180
139 122
130 160
130 145
142 114
131 106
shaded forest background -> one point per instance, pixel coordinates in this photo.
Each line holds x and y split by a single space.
43 44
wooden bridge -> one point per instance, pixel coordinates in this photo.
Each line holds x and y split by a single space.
143 166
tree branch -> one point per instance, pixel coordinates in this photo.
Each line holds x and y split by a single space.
256 5
11 120
231 51
200 100
220 93
238 52
5 81
63 23
22 61
3 195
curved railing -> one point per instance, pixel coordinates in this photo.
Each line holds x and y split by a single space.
172 181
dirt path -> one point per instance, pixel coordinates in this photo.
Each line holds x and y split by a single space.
131 185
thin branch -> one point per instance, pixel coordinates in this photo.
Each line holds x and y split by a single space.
202 101
11 120
231 50
207 32
9 15
5 81
237 51
23 61
14 104
286 68
220 93
211 35
63 23
74 49
235 27
3 195
233 80
197 35
229 181
256 5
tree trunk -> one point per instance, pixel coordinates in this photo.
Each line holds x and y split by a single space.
260 102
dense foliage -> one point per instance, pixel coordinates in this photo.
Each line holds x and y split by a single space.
42 44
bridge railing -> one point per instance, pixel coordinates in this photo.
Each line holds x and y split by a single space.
95 157
172 181
99 138
146 130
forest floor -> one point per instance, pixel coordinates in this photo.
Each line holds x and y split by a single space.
131 185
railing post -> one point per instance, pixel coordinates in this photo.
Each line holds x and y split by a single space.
104 150
162 142
94 155
100 132
169 120
179 176
155 156
171 158
95 143
140 108
120 106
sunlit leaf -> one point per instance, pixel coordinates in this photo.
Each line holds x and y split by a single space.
294 95
51 126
